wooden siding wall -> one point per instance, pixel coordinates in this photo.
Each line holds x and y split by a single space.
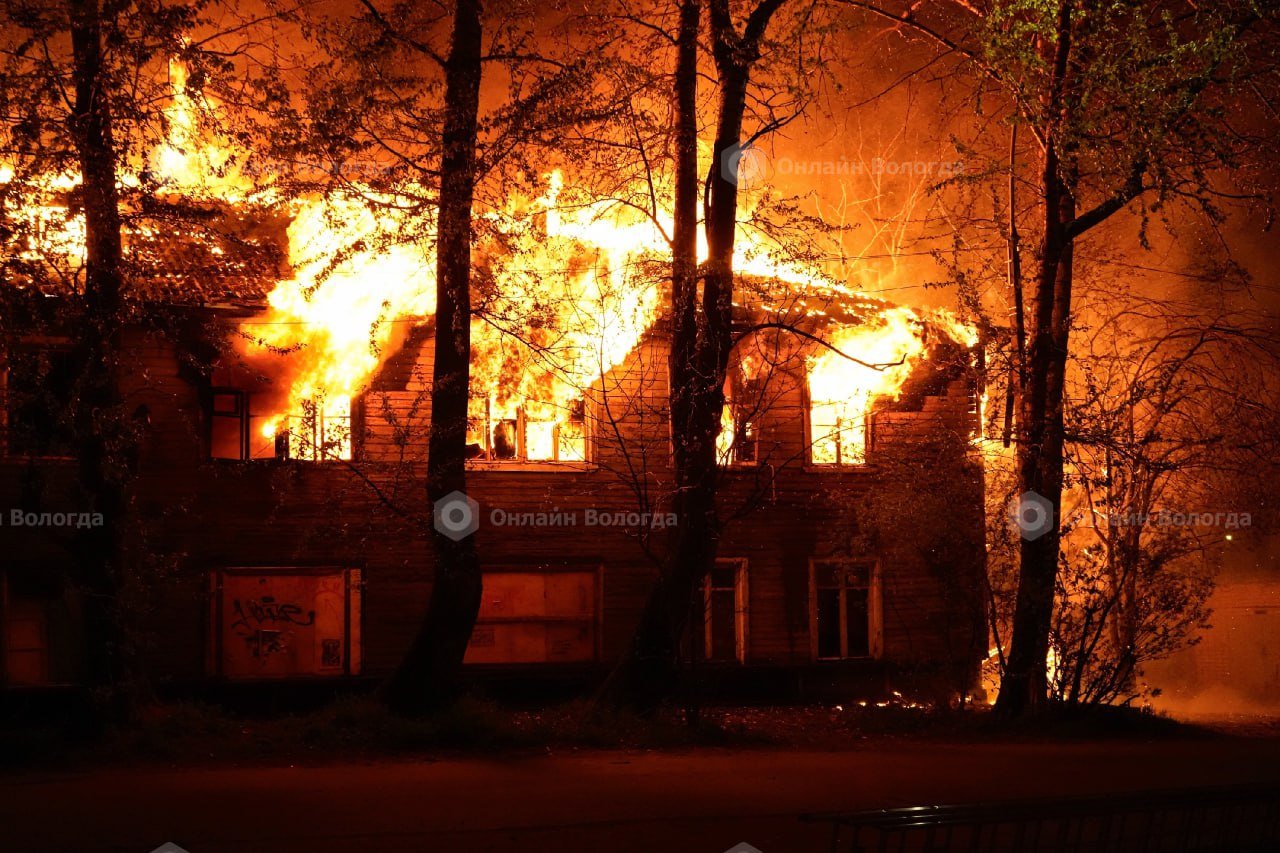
201 515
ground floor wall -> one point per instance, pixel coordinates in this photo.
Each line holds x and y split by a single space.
285 571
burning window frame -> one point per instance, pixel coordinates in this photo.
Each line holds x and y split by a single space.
481 428
738 444
283 442
842 434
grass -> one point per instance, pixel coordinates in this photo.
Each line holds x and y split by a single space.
359 728
1097 722
351 727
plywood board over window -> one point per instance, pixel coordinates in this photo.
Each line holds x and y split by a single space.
285 622
538 614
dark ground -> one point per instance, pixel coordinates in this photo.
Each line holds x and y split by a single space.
699 800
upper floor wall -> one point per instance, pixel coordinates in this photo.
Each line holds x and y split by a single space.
773 415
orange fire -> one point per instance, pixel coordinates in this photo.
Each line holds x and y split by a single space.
572 296
571 300
357 280
841 390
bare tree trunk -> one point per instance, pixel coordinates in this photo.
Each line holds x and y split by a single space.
1040 449
645 674
106 459
1041 430
700 352
1125 621
429 675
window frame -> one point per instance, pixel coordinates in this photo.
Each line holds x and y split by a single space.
743 403
875 616
726 457
240 416
741 610
245 416
318 428
40 651
810 442
521 458
54 671
35 344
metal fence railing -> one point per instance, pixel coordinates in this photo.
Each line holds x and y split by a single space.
1232 819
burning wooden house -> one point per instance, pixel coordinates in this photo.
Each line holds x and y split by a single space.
280 370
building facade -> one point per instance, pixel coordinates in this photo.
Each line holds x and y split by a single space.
261 561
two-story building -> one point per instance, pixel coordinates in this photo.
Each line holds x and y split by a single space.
302 551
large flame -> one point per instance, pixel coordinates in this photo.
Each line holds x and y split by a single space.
576 290
357 280
194 159
571 301
570 297
842 391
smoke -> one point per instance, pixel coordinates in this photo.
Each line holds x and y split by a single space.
1233 669
1214 702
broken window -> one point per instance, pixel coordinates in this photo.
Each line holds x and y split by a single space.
38 390
859 366
240 427
738 442
842 611
320 430
531 431
724 598
838 431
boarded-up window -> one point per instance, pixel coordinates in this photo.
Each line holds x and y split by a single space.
537 615
282 623
844 610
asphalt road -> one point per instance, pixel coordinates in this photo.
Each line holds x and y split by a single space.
702 801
